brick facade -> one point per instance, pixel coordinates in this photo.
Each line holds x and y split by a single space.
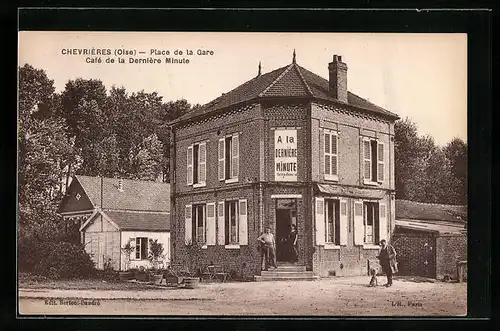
410 251
447 250
256 123
450 249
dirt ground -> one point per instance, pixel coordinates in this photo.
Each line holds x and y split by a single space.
326 297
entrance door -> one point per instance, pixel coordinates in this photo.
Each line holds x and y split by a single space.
283 223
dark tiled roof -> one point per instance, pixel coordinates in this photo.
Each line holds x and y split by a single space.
289 81
140 221
136 194
407 210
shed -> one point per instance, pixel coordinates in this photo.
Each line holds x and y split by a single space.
110 212
430 238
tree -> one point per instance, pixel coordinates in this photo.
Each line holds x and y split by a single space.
456 153
43 149
149 158
409 164
426 172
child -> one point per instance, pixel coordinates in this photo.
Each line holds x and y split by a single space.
373 280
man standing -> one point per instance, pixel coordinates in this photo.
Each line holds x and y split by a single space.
268 248
387 258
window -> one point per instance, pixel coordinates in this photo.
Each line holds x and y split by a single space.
228 154
331 155
197 164
332 221
141 248
370 223
373 161
231 222
199 223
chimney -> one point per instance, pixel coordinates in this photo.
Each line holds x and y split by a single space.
338 78
120 185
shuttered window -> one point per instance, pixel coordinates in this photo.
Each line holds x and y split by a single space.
211 226
367 160
320 221
243 222
380 162
197 164
229 158
373 155
331 155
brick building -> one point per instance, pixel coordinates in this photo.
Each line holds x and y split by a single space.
286 147
430 239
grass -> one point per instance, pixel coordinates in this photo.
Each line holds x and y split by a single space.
35 282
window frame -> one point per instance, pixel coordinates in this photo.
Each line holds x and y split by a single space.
227 223
375 162
331 134
194 221
196 164
138 243
336 222
375 213
230 160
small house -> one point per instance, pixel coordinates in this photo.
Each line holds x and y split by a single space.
109 212
430 239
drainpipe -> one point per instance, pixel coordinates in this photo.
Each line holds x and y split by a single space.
173 212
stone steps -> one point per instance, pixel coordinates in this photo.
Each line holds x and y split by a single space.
286 272
273 279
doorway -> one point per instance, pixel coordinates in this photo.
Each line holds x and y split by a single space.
286 215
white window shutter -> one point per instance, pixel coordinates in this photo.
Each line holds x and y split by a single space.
367 159
221 233
328 170
320 221
243 220
343 222
202 163
359 229
380 162
334 154
235 158
189 168
382 221
222 158
132 243
188 224
211 224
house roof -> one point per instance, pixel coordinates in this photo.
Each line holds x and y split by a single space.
136 194
406 209
289 81
430 226
140 221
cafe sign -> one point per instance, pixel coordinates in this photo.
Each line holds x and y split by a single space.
285 155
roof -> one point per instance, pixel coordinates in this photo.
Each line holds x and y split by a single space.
406 209
429 226
136 194
140 221
289 81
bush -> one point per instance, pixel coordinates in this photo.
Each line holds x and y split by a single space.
63 260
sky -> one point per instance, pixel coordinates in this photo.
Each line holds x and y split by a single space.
419 76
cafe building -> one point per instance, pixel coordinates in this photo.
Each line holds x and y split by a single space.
286 147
